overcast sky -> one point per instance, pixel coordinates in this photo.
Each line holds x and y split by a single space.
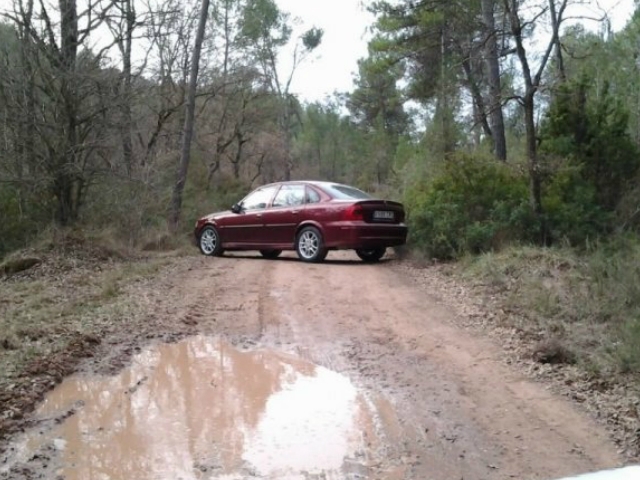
345 41
345 24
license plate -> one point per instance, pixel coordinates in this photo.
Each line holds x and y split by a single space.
382 215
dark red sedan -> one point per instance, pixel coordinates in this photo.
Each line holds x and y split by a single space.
309 217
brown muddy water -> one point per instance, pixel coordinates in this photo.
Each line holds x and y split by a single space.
202 409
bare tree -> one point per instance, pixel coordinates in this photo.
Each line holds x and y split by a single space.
531 86
266 31
169 29
122 27
185 153
61 138
493 78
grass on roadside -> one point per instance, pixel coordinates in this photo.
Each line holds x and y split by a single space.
584 306
40 316
74 293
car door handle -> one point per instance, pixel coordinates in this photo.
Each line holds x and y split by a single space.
295 212
258 215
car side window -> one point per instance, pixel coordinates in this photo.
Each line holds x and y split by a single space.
258 199
312 195
290 196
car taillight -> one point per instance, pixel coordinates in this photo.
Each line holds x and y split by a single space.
354 212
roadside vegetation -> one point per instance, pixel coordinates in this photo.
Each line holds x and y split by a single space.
574 307
75 291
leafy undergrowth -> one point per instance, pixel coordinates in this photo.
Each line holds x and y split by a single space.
57 311
586 306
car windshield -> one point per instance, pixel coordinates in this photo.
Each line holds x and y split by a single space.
344 192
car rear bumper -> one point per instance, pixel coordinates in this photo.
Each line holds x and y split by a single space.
365 235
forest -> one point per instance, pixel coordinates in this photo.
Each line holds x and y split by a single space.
497 122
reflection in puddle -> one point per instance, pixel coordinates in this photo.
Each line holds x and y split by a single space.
201 409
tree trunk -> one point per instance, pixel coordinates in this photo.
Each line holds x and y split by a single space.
285 123
66 160
535 177
448 145
126 126
493 75
532 155
27 143
556 37
479 109
185 154
531 85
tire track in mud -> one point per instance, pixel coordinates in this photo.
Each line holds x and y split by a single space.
461 413
331 329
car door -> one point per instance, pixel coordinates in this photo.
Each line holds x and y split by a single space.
246 228
284 215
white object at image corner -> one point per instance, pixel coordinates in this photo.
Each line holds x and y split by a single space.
625 473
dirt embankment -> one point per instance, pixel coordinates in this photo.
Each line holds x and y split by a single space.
442 400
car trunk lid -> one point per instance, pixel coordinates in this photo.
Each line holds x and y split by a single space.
376 211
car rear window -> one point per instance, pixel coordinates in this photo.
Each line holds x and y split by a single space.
312 195
344 192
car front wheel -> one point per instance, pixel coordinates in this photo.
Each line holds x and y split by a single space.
371 254
310 246
209 242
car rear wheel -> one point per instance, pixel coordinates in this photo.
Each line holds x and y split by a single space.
310 246
209 242
371 254
270 254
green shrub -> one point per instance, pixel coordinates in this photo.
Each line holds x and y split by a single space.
587 127
19 220
572 208
474 204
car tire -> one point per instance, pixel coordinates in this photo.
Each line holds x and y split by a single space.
310 245
270 254
371 255
209 242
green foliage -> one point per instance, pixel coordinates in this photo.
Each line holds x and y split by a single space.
332 147
584 135
12 223
312 38
376 102
411 33
264 24
608 60
589 129
572 210
473 205
21 218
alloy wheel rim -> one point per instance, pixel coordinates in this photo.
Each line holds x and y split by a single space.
208 241
309 244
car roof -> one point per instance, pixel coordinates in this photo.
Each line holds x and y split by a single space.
317 183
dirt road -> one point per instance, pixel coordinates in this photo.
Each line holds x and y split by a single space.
280 369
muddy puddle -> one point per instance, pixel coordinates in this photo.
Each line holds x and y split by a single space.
202 409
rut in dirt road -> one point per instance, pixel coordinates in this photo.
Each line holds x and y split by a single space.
334 370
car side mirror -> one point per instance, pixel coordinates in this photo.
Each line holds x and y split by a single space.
237 208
